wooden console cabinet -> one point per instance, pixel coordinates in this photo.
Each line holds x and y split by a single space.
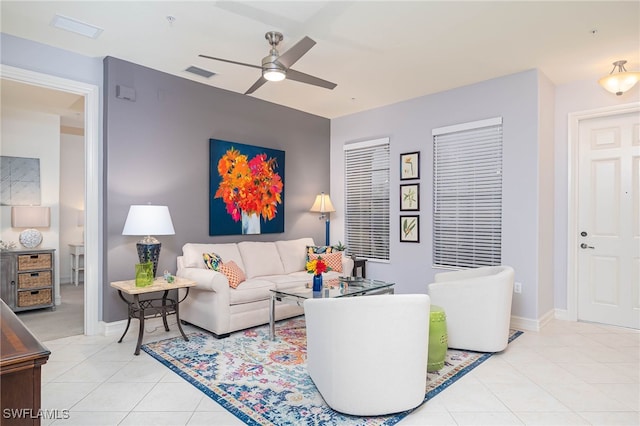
21 359
27 279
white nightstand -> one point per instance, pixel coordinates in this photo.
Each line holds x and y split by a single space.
77 261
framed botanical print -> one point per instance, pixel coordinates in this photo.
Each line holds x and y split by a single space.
410 197
409 229
410 165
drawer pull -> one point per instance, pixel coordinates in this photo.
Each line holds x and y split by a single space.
35 274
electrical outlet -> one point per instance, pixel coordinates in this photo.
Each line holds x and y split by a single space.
517 287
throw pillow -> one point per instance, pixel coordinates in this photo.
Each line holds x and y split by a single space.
319 250
333 260
212 260
232 271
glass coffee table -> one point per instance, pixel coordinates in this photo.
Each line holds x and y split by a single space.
339 287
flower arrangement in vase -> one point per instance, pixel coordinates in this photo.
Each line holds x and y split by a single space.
317 267
250 189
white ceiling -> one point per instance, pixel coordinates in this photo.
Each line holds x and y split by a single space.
68 106
378 52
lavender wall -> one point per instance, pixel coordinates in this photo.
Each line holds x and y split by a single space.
157 151
408 125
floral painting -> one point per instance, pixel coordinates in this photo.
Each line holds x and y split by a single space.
246 189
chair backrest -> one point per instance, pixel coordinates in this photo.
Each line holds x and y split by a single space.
368 353
477 304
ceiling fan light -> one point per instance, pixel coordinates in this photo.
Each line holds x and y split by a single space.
620 81
274 75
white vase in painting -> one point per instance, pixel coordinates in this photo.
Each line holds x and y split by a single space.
250 223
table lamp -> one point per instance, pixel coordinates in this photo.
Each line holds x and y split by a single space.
30 217
148 220
324 206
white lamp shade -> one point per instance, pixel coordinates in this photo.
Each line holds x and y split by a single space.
323 204
30 217
148 220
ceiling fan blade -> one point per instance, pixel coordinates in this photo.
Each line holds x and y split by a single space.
309 79
290 57
256 86
231 62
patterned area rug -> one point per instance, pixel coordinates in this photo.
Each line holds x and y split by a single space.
264 382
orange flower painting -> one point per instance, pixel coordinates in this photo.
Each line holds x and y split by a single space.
249 184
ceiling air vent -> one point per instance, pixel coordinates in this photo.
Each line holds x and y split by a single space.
200 72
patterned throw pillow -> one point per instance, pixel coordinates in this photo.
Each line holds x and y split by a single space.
334 260
212 260
319 250
232 271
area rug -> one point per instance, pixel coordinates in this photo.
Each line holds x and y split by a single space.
264 382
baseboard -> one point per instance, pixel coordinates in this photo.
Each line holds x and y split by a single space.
111 328
528 324
562 314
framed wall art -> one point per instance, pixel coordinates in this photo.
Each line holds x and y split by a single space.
246 189
410 197
409 229
410 165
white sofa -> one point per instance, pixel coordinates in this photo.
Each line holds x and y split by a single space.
213 305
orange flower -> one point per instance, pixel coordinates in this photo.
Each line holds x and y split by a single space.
247 185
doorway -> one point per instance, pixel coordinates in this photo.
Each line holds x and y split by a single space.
604 218
92 178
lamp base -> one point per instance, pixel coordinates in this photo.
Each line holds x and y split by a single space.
30 238
149 253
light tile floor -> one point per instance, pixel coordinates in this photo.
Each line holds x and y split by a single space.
567 374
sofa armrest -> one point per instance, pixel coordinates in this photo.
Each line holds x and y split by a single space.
347 266
206 279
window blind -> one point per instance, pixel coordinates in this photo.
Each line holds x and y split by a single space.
367 198
467 194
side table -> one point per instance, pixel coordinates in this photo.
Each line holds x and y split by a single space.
359 263
152 308
76 251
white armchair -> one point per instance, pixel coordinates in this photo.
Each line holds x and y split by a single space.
368 355
477 304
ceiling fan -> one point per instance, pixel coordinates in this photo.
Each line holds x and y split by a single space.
275 67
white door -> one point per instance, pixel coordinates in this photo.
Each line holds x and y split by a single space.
609 220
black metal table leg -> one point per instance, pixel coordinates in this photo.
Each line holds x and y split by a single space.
141 318
128 315
164 310
177 309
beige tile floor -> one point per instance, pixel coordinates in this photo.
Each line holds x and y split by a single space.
568 374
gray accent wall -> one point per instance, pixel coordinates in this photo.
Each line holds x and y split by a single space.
157 151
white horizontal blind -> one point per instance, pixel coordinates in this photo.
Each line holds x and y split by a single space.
467 194
367 198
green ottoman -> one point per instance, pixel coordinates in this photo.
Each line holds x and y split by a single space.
437 339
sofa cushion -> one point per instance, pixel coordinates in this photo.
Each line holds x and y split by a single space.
234 274
293 254
260 258
192 254
251 291
212 260
333 260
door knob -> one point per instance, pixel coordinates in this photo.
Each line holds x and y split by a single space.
585 246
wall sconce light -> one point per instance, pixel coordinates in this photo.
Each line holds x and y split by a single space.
30 217
324 206
147 220
621 80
